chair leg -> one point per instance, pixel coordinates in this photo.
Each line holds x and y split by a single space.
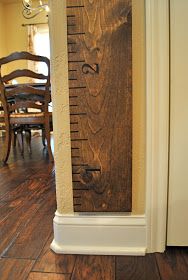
47 134
7 145
43 137
13 138
20 141
28 139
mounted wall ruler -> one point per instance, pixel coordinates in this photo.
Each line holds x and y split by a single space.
100 87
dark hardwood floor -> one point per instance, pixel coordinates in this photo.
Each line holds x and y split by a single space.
27 206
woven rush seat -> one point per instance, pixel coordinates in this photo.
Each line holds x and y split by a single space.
26 116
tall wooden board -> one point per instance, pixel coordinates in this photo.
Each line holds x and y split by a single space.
100 86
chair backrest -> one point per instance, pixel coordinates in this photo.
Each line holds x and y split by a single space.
24 95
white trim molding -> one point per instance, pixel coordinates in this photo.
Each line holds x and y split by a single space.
157 122
99 234
126 234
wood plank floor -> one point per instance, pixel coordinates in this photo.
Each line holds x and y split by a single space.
27 206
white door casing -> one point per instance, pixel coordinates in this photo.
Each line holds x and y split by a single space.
177 234
74 233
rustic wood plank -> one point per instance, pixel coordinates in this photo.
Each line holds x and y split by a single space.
94 268
25 205
15 269
100 50
13 224
48 261
184 253
32 238
29 190
48 276
12 176
137 268
172 265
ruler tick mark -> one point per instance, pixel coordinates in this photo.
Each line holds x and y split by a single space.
71 24
79 139
78 189
78 33
76 61
81 164
77 6
78 114
81 87
72 79
72 43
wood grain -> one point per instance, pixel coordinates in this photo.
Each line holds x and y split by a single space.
32 238
172 265
48 261
184 253
100 86
12 176
48 276
137 268
94 268
13 224
14 269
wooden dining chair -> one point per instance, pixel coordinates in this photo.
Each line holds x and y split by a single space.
19 100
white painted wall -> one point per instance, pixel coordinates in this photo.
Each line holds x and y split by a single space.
178 176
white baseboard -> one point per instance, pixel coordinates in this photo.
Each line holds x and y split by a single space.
99 234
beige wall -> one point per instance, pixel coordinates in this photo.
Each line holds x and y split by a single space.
139 100
14 34
60 102
2 31
177 234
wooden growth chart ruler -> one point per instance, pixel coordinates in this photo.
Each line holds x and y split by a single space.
100 88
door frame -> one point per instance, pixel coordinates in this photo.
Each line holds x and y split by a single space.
135 229
157 122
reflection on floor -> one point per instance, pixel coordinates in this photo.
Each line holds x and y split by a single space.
27 206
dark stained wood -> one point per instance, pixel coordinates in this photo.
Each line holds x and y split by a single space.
29 190
137 268
172 265
25 163
11 177
11 269
48 261
13 224
19 205
34 235
94 268
21 202
48 276
184 253
100 50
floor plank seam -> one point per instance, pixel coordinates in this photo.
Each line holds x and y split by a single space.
18 258
74 267
157 265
